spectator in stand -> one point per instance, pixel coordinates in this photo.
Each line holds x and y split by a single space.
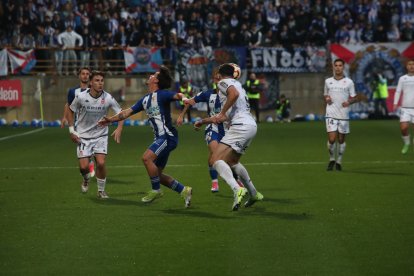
233 38
342 35
69 41
269 39
234 22
407 32
85 53
256 36
380 34
355 34
368 33
272 17
393 34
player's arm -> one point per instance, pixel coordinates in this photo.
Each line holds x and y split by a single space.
350 101
205 121
74 136
187 104
122 115
232 96
118 131
64 120
397 94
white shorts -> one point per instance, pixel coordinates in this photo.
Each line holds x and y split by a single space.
88 147
333 125
407 115
239 137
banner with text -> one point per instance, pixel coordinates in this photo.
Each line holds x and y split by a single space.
10 93
283 60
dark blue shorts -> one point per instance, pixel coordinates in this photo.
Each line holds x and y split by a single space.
162 147
212 136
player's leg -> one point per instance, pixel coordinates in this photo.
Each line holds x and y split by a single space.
99 149
84 171
101 175
343 130
84 152
332 130
212 146
405 118
405 135
148 158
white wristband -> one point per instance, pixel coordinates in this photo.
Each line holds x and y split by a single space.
72 131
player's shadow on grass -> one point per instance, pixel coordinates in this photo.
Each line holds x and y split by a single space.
118 181
191 212
259 211
116 201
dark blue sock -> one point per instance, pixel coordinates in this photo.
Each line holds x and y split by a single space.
155 182
176 186
213 172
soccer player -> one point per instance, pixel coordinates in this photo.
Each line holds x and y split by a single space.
406 88
235 112
156 105
213 132
339 93
90 107
83 75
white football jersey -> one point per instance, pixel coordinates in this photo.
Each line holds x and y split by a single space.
406 87
339 91
239 113
90 110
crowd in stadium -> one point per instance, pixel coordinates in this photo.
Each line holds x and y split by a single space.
37 23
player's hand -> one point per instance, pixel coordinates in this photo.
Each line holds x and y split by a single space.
394 107
117 135
328 99
75 139
345 104
198 124
179 121
63 122
104 121
219 118
186 101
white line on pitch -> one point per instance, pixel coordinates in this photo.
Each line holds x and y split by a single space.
21 134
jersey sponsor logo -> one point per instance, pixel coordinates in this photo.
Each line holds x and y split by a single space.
223 84
102 101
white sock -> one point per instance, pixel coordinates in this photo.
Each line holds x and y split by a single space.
225 172
406 139
332 150
341 152
241 171
101 184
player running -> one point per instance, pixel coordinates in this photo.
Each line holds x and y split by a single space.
156 105
90 107
406 88
339 93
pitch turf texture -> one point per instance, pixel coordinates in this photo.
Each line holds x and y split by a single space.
312 222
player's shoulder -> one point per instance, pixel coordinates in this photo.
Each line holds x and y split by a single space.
329 80
226 83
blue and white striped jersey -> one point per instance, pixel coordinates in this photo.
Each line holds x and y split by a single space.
72 92
213 108
158 109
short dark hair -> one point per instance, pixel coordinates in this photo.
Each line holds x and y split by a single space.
164 78
84 68
96 73
226 69
340 60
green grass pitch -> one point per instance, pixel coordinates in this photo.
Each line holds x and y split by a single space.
312 222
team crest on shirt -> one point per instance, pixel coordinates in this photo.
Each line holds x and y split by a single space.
223 84
102 101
